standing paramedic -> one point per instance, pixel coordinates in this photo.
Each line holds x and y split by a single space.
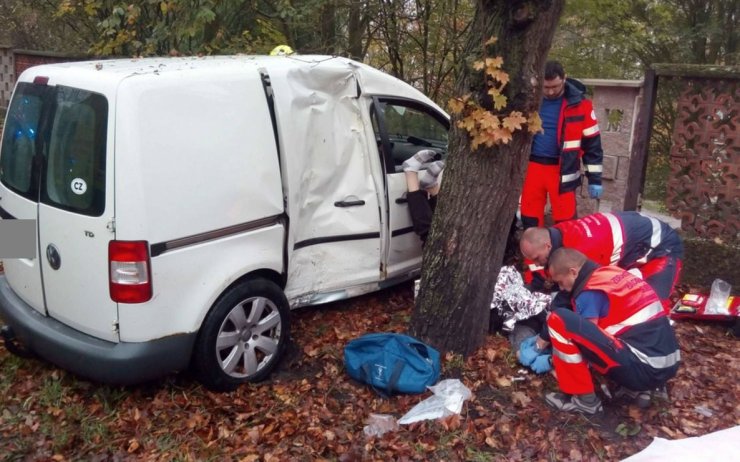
570 132
616 327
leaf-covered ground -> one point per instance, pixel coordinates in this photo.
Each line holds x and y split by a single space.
310 409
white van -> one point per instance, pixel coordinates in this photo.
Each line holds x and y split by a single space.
184 205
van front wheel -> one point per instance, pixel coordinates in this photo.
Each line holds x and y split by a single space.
243 336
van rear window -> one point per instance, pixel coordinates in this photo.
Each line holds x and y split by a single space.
54 147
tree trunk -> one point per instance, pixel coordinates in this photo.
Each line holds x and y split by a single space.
480 190
355 32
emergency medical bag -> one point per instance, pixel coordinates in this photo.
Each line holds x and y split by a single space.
392 363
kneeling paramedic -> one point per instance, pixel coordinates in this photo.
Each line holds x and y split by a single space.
630 240
617 327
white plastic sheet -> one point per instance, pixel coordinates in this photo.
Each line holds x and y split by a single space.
449 396
720 446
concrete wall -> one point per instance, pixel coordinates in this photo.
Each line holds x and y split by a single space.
617 104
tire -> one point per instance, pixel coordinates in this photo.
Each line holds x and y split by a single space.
252 321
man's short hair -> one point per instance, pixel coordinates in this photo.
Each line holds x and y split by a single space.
562 259
554 69
536 236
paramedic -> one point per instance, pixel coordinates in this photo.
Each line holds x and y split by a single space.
570 132
630 240
616 327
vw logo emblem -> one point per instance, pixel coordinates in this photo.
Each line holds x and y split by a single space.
52 254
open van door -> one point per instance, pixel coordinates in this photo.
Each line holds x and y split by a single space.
403 127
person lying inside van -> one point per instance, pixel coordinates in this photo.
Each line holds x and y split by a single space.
423 187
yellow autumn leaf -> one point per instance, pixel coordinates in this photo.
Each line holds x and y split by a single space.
479 65
499 102
500 76
487 120
455 105
534 123
486 137
494 63
468 123
491 41
503 135
514 121
494 91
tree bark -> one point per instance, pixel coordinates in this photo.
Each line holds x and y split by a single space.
480 190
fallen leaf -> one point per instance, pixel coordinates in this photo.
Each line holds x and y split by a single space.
133 445
522 399
503 382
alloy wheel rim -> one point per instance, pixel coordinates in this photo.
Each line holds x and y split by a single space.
248 337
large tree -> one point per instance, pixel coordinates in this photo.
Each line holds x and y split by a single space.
481 187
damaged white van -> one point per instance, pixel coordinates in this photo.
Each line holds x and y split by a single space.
184 205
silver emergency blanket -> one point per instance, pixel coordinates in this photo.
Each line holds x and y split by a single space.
514 301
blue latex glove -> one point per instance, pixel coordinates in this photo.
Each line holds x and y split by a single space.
595 191
528 350
542 364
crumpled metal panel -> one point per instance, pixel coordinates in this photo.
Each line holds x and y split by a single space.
705 159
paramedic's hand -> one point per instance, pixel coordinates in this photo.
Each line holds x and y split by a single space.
528 351
542 364
595 191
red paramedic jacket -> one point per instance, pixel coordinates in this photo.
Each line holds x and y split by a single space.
578 138
631 300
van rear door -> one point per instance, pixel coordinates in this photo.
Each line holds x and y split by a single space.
74 190
19 185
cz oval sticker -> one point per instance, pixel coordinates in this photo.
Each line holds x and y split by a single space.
79 186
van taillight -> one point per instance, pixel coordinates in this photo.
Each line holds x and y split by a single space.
39 80
129 271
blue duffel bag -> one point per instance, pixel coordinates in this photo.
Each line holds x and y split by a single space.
392 363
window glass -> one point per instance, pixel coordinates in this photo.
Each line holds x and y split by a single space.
411 130
75 169
57 135
19 140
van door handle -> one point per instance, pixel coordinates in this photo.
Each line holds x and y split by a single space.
353 203
401 200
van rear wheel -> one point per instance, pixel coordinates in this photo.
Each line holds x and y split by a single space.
243 336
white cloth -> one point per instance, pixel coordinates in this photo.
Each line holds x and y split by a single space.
720 446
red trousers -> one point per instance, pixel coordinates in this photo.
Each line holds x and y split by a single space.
540 182
580 347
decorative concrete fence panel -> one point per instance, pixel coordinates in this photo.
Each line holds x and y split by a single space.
7 75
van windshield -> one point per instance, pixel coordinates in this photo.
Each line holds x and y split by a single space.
54 147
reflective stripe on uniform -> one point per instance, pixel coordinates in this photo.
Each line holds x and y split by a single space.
617 238
535 267
572 144
641 316
657 362
554 334
570 177
655 238
574 358
594 168
591 130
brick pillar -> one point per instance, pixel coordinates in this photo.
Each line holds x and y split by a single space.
617 104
